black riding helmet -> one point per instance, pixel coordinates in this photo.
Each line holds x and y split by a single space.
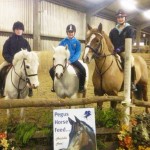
121 13
18 25
71 28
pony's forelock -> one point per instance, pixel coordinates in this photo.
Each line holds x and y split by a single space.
24 54
61 50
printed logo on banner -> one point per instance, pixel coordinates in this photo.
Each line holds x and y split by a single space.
74 129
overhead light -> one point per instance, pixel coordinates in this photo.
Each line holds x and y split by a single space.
128 4
147 14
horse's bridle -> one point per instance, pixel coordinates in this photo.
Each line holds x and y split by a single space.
27 75
95 50
63 66
27 80
100 54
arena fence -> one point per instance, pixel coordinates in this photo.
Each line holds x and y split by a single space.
57 102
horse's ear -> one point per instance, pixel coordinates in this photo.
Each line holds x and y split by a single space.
53 48
100 28
66 47
71 121
77 120
89 27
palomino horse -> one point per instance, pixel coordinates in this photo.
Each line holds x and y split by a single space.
66 81
22 76
107 77
82 136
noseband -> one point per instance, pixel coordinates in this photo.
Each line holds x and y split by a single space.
95 51
64 67
27 75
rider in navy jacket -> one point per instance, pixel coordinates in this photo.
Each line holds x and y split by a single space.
118 35
14 44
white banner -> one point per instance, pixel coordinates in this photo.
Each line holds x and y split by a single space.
74 129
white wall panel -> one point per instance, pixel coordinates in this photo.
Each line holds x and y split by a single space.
55 18
16 10
48 45
107 24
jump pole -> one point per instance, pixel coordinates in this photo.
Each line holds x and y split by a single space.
127 79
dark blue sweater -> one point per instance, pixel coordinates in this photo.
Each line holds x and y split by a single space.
13 45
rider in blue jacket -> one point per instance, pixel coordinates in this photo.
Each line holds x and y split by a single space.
74 47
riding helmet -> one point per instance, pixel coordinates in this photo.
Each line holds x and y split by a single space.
18 25
121 13
71 28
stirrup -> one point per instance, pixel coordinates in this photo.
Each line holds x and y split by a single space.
52 90
133 87
81 89
30 93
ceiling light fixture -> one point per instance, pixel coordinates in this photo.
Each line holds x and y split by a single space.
128 4
147 14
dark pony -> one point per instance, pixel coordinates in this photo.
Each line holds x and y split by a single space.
82 136
108 77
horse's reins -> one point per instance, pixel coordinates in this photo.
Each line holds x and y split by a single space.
20 78
100 54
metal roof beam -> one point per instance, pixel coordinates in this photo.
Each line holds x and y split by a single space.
145 25
132 16
99 7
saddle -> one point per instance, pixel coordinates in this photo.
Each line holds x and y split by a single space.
120 62
3 74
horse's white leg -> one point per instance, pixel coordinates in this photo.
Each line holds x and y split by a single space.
7 112
73 97
21 113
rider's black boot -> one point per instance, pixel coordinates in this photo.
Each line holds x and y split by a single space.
52 89
30 92
133 77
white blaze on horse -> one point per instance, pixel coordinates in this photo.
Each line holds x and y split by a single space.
81 136
22 76
66 82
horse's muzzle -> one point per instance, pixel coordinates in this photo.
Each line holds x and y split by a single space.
86 60
33 86
58 76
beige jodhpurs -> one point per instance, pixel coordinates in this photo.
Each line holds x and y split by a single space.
5 63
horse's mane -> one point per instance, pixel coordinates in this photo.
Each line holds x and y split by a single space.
24 54
108 42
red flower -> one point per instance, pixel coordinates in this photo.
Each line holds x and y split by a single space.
3 135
